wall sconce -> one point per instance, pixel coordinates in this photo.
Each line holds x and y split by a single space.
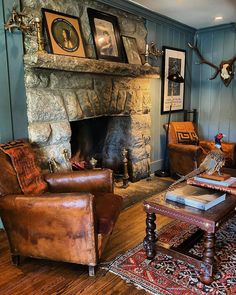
151 50
18 20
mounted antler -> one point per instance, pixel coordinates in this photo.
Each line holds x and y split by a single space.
225 69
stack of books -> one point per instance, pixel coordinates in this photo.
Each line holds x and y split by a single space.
194 196
228 185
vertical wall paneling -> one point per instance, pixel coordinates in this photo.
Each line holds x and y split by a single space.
216 103
5 105
164 34
16 74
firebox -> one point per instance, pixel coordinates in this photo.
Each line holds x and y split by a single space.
101 138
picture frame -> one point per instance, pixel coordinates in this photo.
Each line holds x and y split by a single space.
106 36
63 33
131 50
172 93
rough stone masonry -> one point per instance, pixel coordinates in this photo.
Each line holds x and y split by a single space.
55 96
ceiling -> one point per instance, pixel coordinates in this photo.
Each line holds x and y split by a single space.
197 14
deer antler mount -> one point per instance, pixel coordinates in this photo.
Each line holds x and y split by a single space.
226 67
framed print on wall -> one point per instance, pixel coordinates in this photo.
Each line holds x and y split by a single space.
106 36
63 33
172 93
131 50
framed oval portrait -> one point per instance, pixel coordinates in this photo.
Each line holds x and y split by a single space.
63 32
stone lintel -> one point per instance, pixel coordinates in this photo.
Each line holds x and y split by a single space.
85 65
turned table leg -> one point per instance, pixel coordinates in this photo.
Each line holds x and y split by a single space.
149 242
206 275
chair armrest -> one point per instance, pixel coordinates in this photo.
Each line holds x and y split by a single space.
184 158
192 150
81 181
56 226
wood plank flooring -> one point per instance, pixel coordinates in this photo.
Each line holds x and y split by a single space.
36 277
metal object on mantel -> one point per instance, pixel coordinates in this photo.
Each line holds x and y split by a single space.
151 50
125 162
38 25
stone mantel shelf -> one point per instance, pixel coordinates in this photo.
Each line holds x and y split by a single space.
85 65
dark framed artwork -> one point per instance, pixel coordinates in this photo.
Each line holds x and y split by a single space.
63 33
106 36
131 50
172 93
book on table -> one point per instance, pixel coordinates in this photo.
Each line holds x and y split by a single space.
194 196
231 189
231 181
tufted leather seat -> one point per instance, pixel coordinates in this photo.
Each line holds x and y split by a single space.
71 221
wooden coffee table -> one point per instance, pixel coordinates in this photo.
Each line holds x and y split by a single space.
208 223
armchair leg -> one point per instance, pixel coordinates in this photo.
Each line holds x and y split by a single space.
15 259
91 270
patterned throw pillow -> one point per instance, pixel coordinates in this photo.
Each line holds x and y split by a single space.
187 137
23 160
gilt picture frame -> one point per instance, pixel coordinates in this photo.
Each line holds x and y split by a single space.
172 93
63 33
106 35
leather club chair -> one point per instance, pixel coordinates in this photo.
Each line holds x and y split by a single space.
70 222
186 151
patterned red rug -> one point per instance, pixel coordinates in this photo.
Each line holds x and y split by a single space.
166 275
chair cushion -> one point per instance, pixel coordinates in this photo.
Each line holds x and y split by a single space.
183 132
107 210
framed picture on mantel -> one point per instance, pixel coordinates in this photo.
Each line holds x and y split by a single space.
172 93
63 33
106 36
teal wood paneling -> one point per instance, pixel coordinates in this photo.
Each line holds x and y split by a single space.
5 104
15 53
164 34
215 102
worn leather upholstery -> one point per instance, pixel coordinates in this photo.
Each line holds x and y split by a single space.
71 222
183 158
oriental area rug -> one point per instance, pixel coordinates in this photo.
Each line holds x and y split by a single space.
166 275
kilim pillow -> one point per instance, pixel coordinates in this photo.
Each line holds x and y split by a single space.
23 160
187 137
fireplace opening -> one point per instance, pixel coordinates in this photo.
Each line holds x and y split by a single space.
101 138
87 140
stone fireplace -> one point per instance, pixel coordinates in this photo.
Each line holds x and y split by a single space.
112 100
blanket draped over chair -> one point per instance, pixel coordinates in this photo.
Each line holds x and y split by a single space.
24 163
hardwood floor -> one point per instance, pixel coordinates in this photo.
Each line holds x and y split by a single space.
36 277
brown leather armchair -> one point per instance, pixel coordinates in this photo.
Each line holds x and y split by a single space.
186 151
69 222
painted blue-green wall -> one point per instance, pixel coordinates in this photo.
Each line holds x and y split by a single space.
215 102
13 119
173 35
